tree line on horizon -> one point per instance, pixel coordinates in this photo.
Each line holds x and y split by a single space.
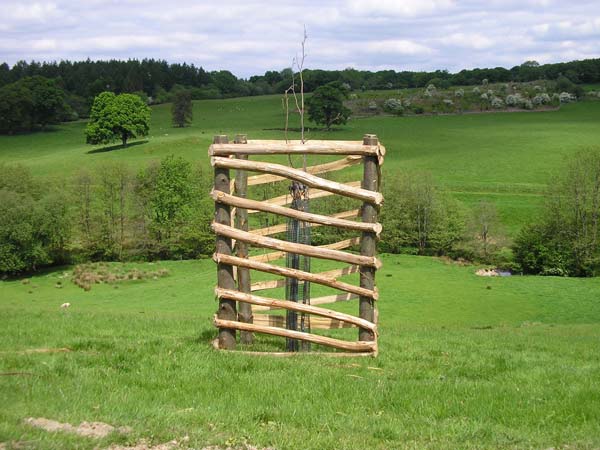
155 79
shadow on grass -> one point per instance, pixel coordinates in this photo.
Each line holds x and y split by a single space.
298 130
116 147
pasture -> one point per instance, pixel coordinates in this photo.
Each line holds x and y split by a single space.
504 158
465 362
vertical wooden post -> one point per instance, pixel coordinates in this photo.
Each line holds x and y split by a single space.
368 242
241 248
227 308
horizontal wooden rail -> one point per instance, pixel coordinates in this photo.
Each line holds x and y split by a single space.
269 284
258 147
359 346
274 256
314 194
293 306
337 220
299 249
274 284
280 228
298 354
295 273
333 299
317 301
298 175
316 323
333 166
324 142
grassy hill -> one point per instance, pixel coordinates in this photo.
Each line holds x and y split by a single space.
465 362
505 158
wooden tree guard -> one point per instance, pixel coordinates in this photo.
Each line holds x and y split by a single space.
237 301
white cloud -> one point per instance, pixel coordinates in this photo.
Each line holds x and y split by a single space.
252 36
403 8
469 40
399 47
37 11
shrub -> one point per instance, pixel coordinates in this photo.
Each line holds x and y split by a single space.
459 93
430 91
393 105
541 99
497 102
35 225
566 238
566 97
422 220
515 100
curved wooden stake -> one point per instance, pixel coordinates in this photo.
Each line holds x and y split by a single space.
333 221
333 166
299 175
293 306
294 273
301 249
358 346
314 194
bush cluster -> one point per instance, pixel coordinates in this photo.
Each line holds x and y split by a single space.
565 239
109 214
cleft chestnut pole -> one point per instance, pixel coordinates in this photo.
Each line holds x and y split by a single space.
368 242
225 279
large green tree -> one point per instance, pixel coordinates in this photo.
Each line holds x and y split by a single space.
326 105
117 117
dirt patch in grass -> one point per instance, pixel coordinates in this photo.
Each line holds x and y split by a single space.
96 430
181 444
44 350
143 445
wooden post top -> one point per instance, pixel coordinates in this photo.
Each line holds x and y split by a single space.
220 139
370 139
241 139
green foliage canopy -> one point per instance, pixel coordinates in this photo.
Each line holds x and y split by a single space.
30 102
326 105
565 240
115 117
34 225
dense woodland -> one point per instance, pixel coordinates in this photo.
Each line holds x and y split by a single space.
156 79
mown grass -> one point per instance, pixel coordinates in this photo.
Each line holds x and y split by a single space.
504 158
465 362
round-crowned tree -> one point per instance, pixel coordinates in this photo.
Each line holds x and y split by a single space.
326 105
117 117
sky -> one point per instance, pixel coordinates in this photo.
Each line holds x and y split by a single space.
252 36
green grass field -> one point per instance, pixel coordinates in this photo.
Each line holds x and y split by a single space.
505 158
465 362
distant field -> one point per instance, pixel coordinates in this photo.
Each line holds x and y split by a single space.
465 362
506 158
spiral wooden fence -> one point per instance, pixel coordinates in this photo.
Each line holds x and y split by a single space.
234 263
